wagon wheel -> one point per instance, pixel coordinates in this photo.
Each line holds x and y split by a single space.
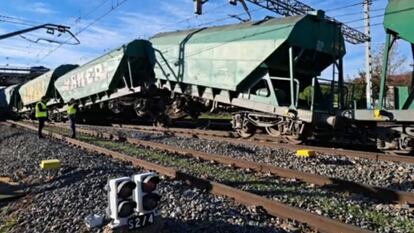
140 107
162 121
294 138
247 130
274 131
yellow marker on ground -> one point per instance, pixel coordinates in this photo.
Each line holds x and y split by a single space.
305 153
52 164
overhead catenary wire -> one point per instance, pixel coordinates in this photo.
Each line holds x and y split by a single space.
113 8
198 16
372 25
94 9
15 22
381 15
24 21
205 23
359 13
215 21
228 17
77 20
345 6
360 3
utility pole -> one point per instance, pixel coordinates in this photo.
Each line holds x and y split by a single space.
368 55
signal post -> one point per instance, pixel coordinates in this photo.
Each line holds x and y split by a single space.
133 204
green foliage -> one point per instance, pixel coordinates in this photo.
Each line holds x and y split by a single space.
397 64
7 225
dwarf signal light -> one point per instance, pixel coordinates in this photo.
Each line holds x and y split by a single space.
145 195
121 201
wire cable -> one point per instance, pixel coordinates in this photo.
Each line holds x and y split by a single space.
358 13
346 6
77 20
380 15
119 3
28 22
14 22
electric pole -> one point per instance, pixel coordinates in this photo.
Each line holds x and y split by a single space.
368 55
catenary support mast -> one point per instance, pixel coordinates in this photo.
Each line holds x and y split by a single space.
368 55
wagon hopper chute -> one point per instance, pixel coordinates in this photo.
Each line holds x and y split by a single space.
260 67
4 108
116 81
9 100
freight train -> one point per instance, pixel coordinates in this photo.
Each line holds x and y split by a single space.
120 82
268 71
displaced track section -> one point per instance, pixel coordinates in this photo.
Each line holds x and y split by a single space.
317 222
267 141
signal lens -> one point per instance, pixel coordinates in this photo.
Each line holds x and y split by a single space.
125 189
150 184
126 208
150 201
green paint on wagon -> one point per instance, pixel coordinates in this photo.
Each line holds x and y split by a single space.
225 57
398 18
105 73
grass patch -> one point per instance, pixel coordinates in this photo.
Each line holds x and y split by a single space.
6 221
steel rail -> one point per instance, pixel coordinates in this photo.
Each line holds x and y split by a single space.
319 223
383 194
264 141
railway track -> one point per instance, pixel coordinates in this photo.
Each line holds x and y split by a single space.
268 141
375 192
394 175
383 194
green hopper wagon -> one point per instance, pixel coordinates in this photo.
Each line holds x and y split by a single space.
32 91
268 69
117 80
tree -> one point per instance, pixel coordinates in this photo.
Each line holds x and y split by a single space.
397 65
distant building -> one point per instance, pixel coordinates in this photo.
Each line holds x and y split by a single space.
10 75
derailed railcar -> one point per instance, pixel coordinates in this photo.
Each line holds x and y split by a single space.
9 101
32 91
260 67
391 128
120 82
4 107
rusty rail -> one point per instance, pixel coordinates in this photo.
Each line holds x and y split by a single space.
264 141
379 193
320 223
